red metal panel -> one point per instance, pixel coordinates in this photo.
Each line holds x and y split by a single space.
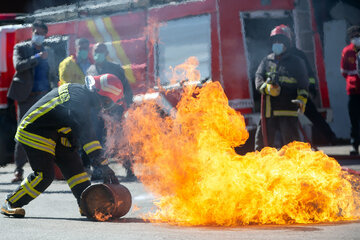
234 63
6 77
256 5
180 10
215 61
320 65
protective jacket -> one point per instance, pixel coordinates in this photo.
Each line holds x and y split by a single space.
350 70
289 72
25 62
63 115
70 72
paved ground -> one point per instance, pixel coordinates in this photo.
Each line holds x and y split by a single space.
54 215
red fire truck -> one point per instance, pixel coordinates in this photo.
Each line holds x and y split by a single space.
228 37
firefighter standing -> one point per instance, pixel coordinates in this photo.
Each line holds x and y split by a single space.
51 131
282 80
350 70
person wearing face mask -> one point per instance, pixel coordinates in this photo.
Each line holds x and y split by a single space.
35 75
102 66
282 80
73 68
349 67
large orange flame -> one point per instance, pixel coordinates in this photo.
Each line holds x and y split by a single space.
189 163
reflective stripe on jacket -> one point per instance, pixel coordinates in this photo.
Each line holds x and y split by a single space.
291 75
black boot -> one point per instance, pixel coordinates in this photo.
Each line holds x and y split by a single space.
354 151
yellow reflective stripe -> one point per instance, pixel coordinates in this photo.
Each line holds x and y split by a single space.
17 196
268 106
35 145
92 146
285 113
32 140
38 179
37 138
65 142
77 179
303 92
285 79
94 32
126 64
22 191
105 162
312 80
39 112
32 192
64 130
63 91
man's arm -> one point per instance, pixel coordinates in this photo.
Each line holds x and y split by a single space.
343 63
21 63
260 77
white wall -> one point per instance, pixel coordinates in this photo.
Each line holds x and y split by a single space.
334 42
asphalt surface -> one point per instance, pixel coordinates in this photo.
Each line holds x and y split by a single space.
55 215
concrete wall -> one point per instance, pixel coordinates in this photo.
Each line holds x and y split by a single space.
334 42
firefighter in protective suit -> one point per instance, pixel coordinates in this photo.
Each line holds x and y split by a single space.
282 80
51 132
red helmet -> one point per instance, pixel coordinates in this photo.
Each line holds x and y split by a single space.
281 31
107 85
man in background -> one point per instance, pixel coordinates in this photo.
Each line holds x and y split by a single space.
73 68
349 67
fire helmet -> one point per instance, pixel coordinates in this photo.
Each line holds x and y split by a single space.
282 33
108 86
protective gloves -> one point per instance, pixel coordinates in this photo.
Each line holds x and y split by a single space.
300 103
270 89
108 174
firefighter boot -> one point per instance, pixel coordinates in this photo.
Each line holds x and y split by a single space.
8 210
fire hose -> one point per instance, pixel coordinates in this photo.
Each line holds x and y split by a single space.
263 121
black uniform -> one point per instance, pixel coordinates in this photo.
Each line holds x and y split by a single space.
280 113
50 133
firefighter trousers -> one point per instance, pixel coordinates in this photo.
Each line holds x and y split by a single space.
354 114
42 164
286 127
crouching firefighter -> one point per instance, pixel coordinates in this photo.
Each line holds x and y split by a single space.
51 132
282 80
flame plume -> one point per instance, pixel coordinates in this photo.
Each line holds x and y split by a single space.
189 162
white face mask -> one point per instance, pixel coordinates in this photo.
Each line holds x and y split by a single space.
356 41
278 48
37 39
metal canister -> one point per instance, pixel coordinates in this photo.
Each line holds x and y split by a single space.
103 202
